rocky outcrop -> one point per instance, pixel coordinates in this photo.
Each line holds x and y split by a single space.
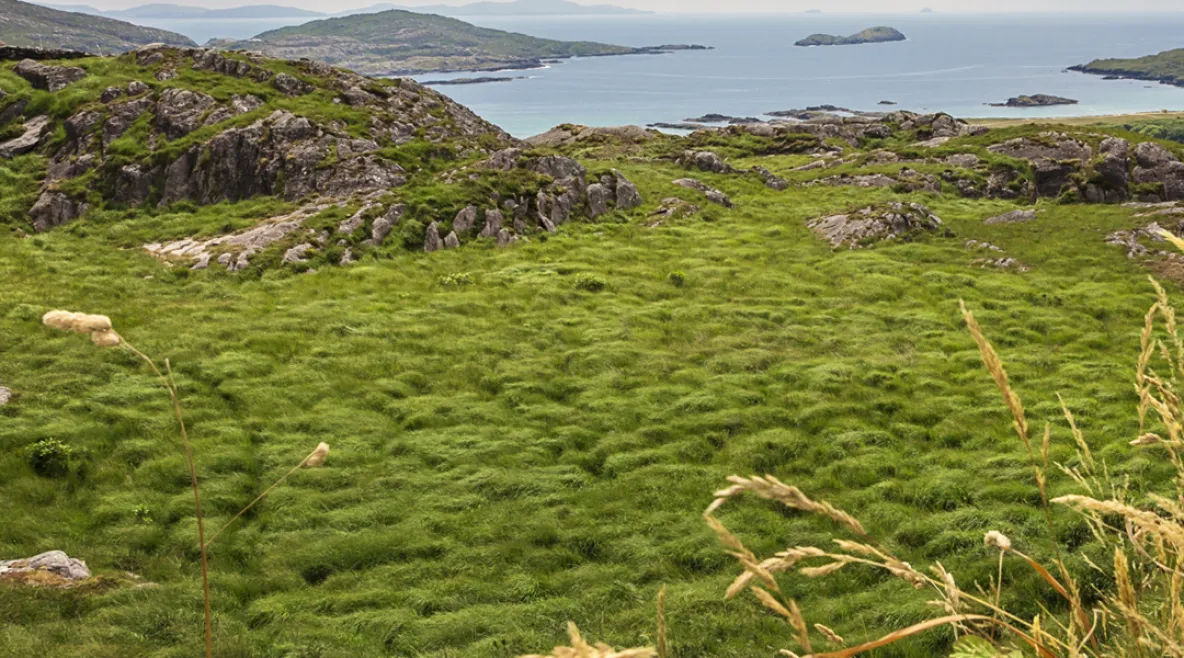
874 224
713 195
235 250
1159 172
568 134
48 77
1131 240
55 208
771 180
1013 217
49 569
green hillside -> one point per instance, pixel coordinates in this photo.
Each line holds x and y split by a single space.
24 24
1167 67
401 42
527 423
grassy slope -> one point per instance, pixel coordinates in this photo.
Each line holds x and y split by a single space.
519 452
24 24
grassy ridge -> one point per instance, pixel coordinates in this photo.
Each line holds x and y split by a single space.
518 452
404 41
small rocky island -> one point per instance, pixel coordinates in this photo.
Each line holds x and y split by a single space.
1035 100
878 34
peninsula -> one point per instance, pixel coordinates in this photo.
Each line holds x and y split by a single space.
1166 67
401 42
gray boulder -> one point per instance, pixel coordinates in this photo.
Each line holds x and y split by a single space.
626 193
704 161
35 129
493 223
48 77
54 208
5 395
451 241
432 241
54 562
465 220
598 197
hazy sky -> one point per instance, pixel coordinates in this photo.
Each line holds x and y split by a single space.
716 6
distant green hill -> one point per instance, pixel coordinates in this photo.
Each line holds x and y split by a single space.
24 24
1167 67
402 42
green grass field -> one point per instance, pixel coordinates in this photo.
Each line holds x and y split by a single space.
518 452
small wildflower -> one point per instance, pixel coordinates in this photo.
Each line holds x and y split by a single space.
996 539
318 456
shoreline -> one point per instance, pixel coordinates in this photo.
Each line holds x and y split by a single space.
1131 117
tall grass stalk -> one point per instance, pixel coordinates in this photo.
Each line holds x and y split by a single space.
1142 615
103 334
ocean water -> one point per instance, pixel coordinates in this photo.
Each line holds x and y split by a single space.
951 62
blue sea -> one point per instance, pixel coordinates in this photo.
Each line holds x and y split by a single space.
951 62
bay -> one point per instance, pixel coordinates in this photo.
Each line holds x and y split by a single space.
955 63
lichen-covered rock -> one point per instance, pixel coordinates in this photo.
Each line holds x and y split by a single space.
47 76
451 241
873 224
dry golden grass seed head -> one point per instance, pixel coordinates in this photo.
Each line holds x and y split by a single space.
318 456
996 539
99 327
